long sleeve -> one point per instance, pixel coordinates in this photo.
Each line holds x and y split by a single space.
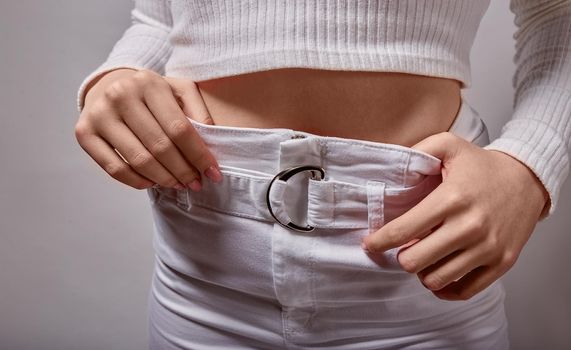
539 132
144 45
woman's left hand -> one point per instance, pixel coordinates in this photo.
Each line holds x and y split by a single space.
471 229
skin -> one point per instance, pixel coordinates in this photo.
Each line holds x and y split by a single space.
143 116
471 229
458 240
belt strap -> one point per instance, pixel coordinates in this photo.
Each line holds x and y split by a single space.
331 204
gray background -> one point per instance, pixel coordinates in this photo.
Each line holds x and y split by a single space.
75 249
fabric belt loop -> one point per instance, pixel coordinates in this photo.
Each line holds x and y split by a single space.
153 195
375 204
321 204
182 198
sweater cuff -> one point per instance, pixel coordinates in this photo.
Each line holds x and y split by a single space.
141 47
541 149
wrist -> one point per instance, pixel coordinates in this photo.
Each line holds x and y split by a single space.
534 187
95 87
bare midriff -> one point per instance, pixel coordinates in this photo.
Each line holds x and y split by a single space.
387 107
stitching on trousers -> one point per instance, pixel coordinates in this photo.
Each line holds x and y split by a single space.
405 171
377 147
248 216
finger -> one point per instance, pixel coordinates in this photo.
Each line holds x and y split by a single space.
139 158
106 157
190 99
178 128
451 268
471 284
440 243
443 145
429 212
142 123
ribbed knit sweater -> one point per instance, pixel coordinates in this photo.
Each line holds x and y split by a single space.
206 39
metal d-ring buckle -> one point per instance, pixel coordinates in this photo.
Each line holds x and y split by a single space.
285 175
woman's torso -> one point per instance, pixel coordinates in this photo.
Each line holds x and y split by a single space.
237 51
376 106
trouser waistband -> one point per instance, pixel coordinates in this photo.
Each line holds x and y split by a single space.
366 184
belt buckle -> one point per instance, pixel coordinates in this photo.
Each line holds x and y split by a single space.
285 175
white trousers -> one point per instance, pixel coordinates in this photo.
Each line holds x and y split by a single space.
228 275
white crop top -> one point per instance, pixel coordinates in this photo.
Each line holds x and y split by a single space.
207 39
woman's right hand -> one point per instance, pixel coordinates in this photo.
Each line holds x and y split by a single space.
142 115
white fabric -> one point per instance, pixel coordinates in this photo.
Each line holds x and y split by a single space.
202 40
228 276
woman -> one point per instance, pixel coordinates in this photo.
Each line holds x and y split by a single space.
316 176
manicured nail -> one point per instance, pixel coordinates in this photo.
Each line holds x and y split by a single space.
179 186
195 185
213 174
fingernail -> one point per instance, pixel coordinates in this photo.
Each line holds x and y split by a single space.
213 174
195 185
179 186
364 246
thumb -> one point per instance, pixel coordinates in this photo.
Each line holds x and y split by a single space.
190 100
443 146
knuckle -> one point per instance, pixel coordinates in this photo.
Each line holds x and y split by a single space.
101 107
161 146
81 131
491 244
434 281
179 129
143 74
146 77
118 91
456 198
475 224
141 160
116 169
408 263
96 111
509 258
201 159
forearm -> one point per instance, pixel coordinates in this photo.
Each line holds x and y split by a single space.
539 131
144 45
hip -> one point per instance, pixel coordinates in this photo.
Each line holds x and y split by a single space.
332 192
289 247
